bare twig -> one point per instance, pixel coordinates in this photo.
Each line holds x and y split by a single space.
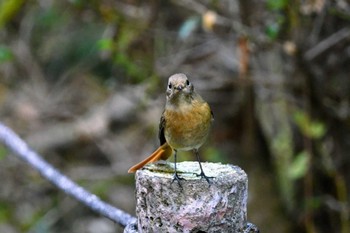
327 43
20 148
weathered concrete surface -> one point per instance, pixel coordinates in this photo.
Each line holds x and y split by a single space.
165 206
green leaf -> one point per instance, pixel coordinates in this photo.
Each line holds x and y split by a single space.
3 152
5 212
277 4
299 166
8 10
309 127
105 44
273 30
317 129
5 54
300 118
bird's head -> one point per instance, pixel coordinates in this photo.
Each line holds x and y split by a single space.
179 87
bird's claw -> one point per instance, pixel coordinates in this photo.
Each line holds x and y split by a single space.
177 178
207 178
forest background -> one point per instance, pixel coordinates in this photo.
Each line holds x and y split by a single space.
83 82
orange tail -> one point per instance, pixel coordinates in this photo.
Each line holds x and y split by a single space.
162 153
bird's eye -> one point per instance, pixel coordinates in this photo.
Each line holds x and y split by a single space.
187 82
170 85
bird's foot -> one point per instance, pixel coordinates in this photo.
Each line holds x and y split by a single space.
207 178
177 178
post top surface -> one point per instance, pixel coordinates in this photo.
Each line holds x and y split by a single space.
190 170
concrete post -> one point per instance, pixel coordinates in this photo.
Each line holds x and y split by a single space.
193 205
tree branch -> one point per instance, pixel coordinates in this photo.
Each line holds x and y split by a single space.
327 43
21 149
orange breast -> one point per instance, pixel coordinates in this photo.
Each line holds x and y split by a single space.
187 127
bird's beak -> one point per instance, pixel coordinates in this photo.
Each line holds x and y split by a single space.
179 88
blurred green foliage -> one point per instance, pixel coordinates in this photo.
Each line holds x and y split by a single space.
5 54
5 211
273 29
283 151
8 9
310 128
299 166
284 18
277 4
276 7
105 44
213 154
3 152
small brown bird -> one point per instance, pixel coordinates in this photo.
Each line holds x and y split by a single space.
184 125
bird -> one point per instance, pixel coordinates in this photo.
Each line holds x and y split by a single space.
184 125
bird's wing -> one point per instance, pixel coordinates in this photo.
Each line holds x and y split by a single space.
161 136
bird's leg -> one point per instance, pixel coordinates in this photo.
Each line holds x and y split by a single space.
176 176
200 165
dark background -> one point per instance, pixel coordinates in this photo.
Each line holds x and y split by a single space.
83 82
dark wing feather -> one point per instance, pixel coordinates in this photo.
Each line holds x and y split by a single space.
161 136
